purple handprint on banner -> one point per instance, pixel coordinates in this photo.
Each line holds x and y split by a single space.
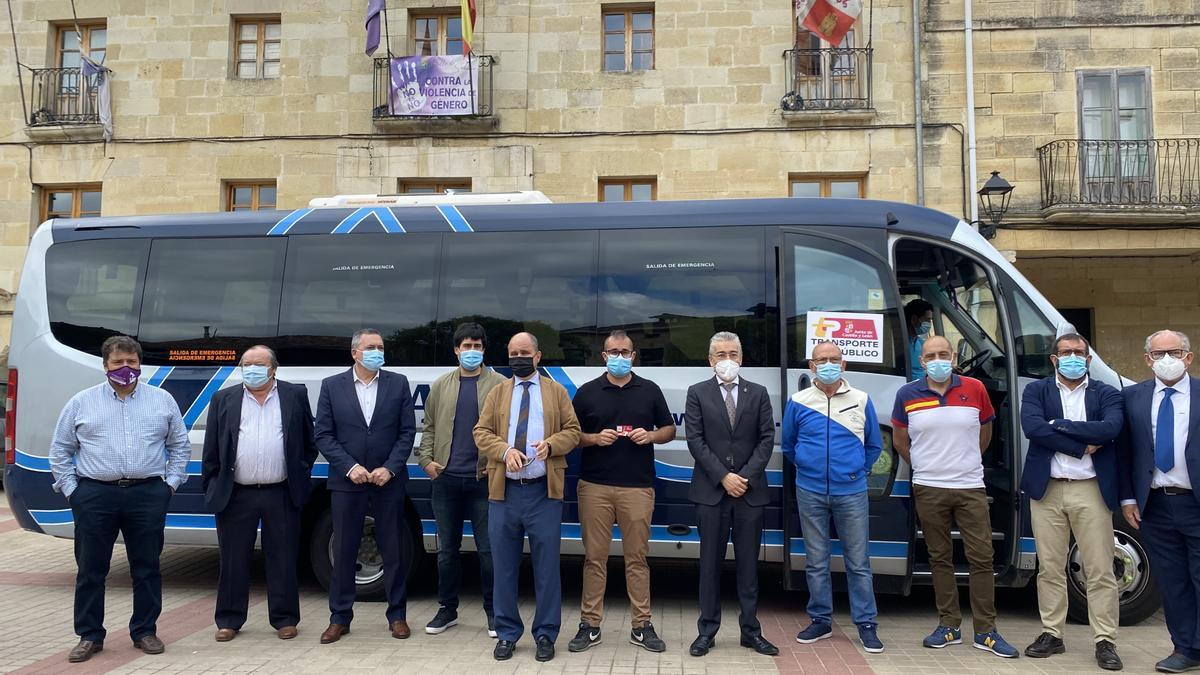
433 85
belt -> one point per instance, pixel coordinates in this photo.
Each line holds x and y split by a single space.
1071 480
525 481
123 482
1172 491
259 486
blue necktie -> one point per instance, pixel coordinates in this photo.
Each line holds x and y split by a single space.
1164 434
521 438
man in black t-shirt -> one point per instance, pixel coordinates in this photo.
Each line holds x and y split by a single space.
622 416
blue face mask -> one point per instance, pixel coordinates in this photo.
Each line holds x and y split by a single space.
1072 367
470 359
924 328
828 373
372 359
255 376
938 370
619 366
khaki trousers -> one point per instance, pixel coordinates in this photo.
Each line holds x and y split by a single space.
1075 507
631 509
938 509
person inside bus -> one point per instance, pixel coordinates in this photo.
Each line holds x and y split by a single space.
258 457
526 429
731 433
1159 453
941 425
450 458
119 488
1071 476
365 427
621 416
919 315
831 434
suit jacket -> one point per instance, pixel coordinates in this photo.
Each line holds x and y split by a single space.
221 443
1135 449
560 428
1049 432
719 449
345 439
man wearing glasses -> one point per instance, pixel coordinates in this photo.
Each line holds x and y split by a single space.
621 416
1070 476
1159 453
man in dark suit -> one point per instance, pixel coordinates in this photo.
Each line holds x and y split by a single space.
258 456
365 427
730 433
1159 453
1070 476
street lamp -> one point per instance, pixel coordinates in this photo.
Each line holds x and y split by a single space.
993 197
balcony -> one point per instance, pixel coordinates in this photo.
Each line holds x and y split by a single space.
831 84
64 101
1148 181
433 96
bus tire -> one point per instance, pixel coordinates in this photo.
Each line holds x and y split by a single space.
1139 596
369 575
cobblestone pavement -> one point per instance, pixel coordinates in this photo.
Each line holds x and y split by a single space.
37 576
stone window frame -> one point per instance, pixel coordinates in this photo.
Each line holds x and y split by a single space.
443 17
627 11
261 41
77 191
826 181
628 183
431 186
256 203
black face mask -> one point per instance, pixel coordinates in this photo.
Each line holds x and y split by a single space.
522 366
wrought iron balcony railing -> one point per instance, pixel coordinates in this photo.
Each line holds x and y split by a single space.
828 79
432 94
63 96
1153 172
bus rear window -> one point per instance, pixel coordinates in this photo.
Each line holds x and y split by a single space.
94 290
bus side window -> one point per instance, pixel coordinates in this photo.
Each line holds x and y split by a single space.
94 290
1033 334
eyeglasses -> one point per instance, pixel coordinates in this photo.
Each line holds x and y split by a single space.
1071 352
826 359
1158 354
625 353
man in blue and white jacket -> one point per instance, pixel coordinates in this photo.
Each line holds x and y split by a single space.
831 434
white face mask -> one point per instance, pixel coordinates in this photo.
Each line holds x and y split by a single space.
727 370
1169 368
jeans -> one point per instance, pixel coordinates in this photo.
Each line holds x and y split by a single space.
849 514
456 499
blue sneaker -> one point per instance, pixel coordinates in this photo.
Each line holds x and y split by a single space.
992 642
943 636
870 641
816 630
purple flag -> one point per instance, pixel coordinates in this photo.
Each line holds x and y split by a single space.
374 9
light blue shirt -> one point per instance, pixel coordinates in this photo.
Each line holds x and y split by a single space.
535 431
102 437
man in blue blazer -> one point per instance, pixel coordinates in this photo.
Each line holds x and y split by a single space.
1160 455
365 427
1070 476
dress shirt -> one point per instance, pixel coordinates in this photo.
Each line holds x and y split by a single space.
534 432
101 436
367 393
737 381
1182 401
260 458
1074 405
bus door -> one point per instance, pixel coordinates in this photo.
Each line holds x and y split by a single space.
843 289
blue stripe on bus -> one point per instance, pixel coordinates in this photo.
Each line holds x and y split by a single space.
159 375
197 408
383 214
32 462
1028 545
876 549
456 220
175 521
559 375
286 223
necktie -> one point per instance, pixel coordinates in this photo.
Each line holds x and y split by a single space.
1164 434
730 406
521 439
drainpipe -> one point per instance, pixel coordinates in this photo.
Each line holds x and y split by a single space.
918 104
968 36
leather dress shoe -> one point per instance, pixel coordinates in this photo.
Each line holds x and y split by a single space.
226 634
504 650
545 649
287 632
701 645
760 644
84 651
150 644
1106 656
334 633
400 629
1177 663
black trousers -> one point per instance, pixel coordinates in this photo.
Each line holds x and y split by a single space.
237 527
137 513
386 505
715 524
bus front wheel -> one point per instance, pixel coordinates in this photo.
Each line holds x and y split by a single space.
1139 596
368 573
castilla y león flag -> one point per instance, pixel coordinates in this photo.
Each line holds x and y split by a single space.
829 19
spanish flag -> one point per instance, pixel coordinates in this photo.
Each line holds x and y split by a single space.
468 25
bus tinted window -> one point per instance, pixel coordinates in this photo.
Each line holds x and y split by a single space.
512 281
94 290
672 289
337 285
1033 335
208 299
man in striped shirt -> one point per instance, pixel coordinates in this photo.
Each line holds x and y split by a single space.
119 452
